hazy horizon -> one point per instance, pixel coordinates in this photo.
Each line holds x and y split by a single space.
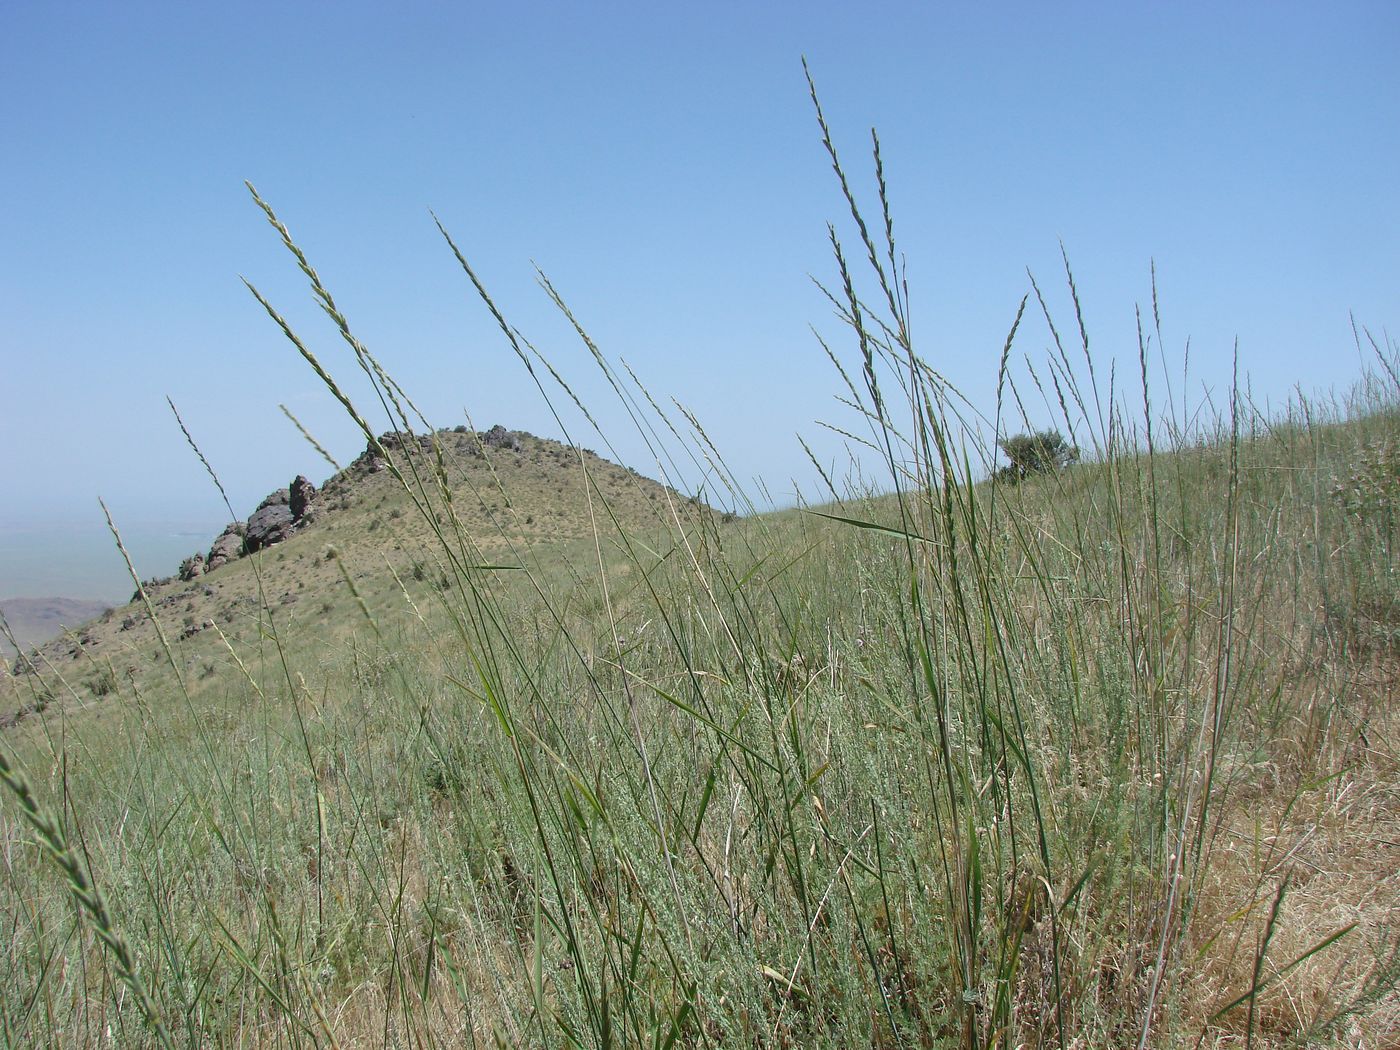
79 559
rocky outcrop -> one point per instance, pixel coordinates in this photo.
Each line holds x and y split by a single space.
274 520
228 547
501 438
191 567
459 440
287 510
272 523
151 586
276 498
300 495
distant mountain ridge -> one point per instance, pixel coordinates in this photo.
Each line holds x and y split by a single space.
34 621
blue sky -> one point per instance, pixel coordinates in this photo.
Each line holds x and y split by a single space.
661 163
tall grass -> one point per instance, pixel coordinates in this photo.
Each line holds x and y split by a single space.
947 761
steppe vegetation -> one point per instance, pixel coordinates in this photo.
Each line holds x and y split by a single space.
1101 757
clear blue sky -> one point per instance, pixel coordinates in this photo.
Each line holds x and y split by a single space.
660 162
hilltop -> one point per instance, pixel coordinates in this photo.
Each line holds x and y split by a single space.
508 492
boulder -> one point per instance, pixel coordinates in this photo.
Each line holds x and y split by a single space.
228 547
300 494
499 437
191 567
271 524
276 498
390 441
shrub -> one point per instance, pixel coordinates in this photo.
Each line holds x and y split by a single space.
104 683
1041 453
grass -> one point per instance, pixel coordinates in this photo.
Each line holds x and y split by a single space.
1105 758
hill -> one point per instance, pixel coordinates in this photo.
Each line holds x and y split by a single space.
501 493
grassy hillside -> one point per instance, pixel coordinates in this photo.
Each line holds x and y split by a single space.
1106 758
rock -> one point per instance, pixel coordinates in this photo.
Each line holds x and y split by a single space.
271 524
499 437
390 441
193 629
151 586
300 494
279 497
191 567
228 547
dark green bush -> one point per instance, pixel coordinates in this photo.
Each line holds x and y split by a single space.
1041 453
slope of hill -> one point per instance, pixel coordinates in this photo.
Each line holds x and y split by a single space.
783 780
